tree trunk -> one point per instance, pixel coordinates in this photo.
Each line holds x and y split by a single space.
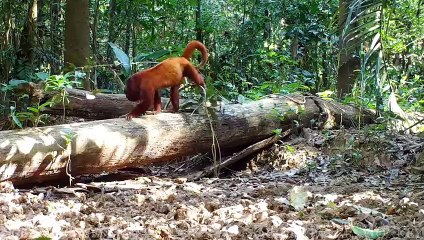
128 30
294 47
267 25
326 69
94 43
103 106
41 27
134 41
111 37
77 35
152 24
38 154
198 27
349 62
54 35
6 44
28 37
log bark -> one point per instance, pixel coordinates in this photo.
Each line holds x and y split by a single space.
39 154
85 104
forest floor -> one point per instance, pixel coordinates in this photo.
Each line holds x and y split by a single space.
320 185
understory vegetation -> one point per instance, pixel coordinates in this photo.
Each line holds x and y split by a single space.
325 139
371 52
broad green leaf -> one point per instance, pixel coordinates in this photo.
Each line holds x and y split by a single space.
153 56
14 117
367 233
16 82
42 106
277 131
33 109
25 115
42 75
122 57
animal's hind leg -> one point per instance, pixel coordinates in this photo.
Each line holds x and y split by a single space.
175 97
157 102
146 98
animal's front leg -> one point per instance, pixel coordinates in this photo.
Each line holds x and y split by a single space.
157 102
141 108
175 97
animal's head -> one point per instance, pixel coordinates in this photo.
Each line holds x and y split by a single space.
132 90
201 79
198 78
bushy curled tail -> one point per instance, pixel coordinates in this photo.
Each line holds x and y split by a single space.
191 46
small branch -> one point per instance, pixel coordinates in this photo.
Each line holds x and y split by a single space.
240 155
413 125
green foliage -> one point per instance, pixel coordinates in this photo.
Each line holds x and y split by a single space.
57 85
326 95
390 57
60 82
68 136
311 166
32 115
153 56
25 109
277 131
122 57
367 233
290 149
256 48
43 238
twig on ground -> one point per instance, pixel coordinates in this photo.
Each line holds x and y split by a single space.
240 155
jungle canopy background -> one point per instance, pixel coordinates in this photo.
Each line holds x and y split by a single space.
364 51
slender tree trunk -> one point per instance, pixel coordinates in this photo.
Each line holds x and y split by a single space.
152 29
112 35
326 69
315 63
54 35
28 37
41 27
95 25
134 41
349 62
267 25
294 46
128 30
94 43
199 36
407 52
5 44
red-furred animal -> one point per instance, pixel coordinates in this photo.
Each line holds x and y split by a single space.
144 86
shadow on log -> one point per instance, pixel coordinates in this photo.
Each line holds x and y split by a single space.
39 154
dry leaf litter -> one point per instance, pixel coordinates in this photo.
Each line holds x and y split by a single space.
320 185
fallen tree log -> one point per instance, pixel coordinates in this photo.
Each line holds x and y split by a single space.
39 154
98 106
